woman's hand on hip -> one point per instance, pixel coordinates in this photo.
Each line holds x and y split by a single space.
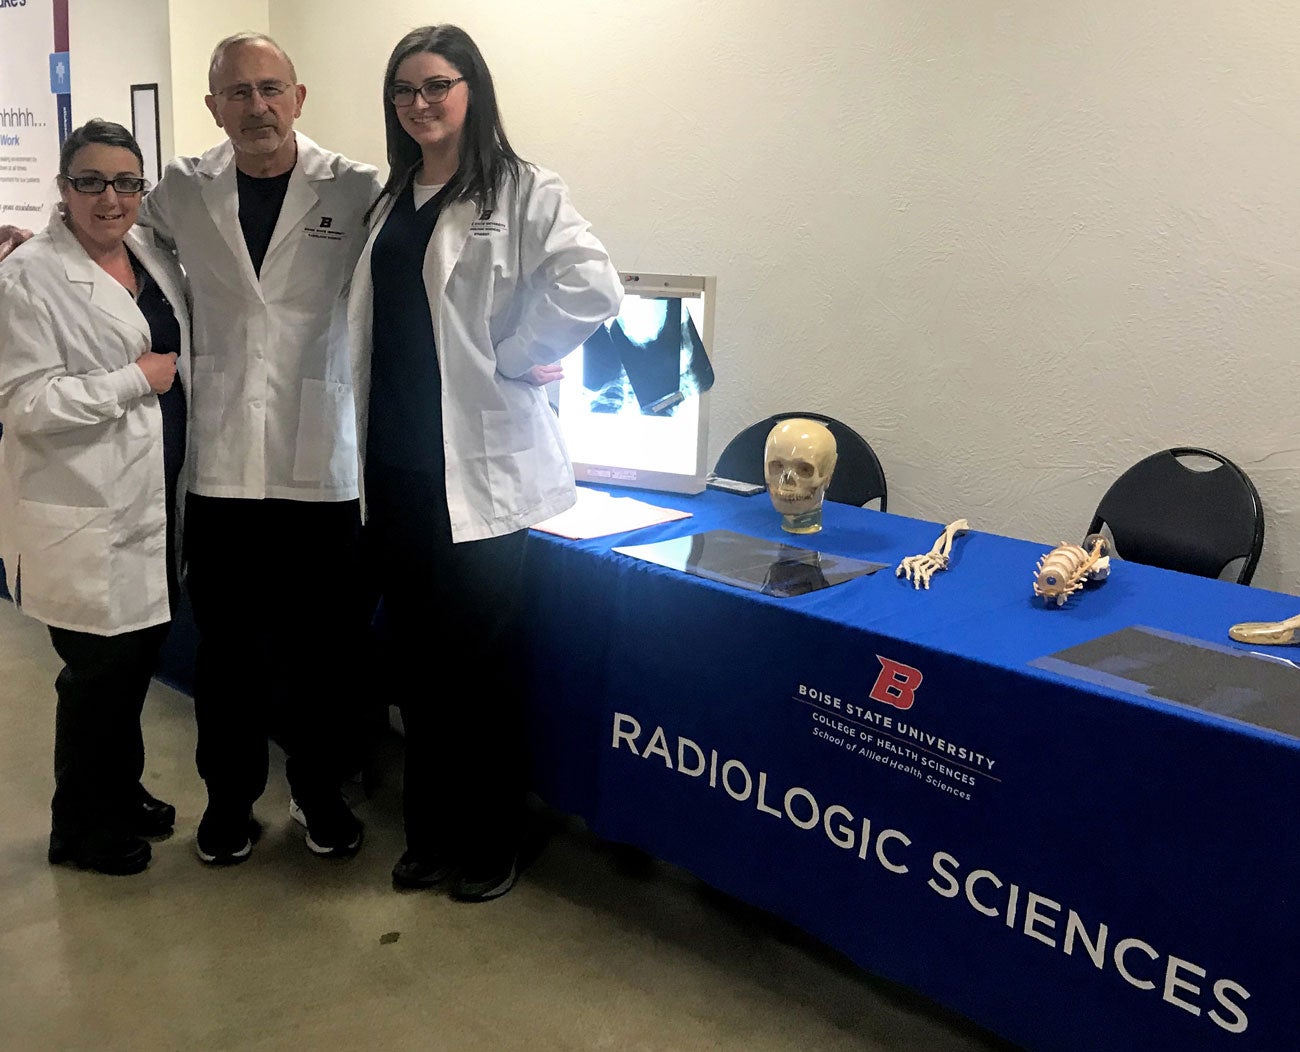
541 375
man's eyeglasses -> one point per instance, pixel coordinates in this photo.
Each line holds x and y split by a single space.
97 184
431 91
268 89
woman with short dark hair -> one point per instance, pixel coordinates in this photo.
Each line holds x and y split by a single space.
94 334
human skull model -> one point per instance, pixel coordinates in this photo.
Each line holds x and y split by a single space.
799 458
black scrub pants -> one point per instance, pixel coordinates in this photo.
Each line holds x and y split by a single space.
275 589
452 621
98 744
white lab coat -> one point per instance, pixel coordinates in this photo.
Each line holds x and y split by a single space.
522 285
272 401
83 517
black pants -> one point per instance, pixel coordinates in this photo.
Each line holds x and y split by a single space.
98 745
275 588
451 616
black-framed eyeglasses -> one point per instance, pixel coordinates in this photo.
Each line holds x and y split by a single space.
268 89
97 184
431 91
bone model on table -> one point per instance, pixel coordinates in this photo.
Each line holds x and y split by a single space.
920 568
1267 633
1067 567
798 461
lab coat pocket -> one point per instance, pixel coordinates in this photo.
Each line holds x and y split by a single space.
514 463
326 448
64 562
208 396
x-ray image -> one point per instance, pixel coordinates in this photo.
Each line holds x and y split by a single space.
649 359
752 563
633 401
1255 688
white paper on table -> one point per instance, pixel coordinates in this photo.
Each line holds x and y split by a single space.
598 514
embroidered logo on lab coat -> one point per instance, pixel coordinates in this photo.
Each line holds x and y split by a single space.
485 225
324 229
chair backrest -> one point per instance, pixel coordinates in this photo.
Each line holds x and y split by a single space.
858 477
1163 513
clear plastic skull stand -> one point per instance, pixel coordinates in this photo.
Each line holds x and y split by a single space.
799 459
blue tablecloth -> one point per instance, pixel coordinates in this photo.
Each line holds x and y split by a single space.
1069 863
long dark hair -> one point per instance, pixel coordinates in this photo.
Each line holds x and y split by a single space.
486 155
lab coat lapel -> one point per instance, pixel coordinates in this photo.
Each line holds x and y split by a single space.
220 194
142 244
445 247
140 240
300 195
106 293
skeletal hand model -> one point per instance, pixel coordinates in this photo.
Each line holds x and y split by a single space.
1063 570
1266 633
920 568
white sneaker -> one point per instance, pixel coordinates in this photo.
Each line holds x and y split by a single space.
342 833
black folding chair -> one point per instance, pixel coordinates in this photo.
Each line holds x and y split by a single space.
858 477
1164 513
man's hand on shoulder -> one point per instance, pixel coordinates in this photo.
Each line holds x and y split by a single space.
11 237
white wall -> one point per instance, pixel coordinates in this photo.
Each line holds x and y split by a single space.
1017 245
112 45
195 29
117 43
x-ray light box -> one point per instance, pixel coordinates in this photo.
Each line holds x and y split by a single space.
633 404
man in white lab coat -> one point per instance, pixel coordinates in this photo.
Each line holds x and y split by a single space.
268 227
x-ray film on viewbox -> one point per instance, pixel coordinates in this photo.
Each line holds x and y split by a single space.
633 404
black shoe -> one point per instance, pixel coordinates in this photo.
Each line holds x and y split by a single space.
333 831
151 817
225 839
415 871
117 854
477 884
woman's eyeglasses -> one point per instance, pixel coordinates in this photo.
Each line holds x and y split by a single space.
97 184
431 91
